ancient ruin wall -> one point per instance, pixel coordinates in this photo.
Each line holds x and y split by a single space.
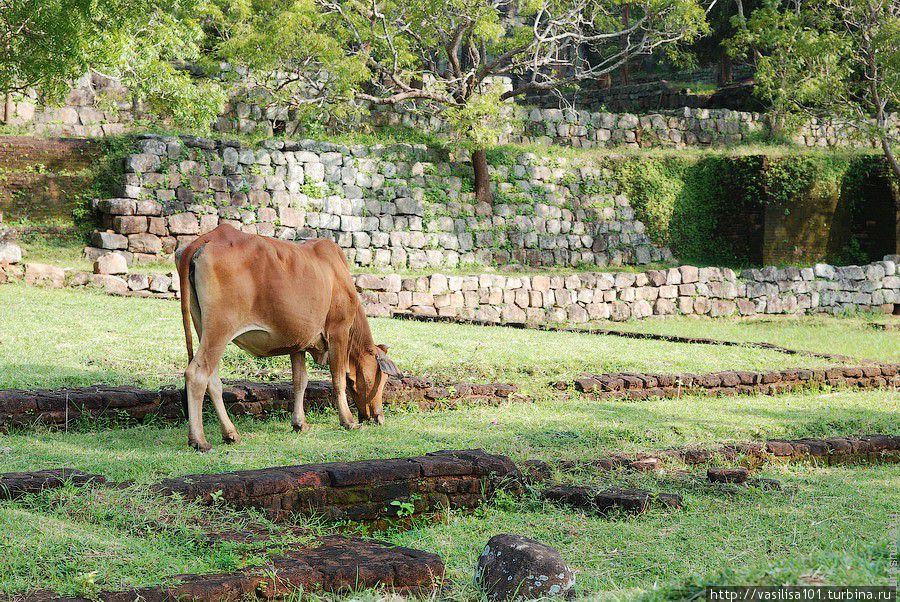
399 206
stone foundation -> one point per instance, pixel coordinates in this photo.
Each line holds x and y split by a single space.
14 485
332 564
356 491
58 407
646 386
753 454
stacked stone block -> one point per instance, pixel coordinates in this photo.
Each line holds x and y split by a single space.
619 296
397 206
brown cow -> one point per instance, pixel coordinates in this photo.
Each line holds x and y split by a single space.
273 297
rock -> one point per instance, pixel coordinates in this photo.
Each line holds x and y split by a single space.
10 252
184 223
727 475
111 263
109 240
513 567
109 283
41 274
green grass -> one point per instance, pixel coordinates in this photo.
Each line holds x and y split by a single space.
67 338
853 335
828 524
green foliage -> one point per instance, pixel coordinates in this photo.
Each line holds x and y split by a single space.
295 52
52 42
834 57
685 202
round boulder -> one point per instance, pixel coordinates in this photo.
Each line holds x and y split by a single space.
513 567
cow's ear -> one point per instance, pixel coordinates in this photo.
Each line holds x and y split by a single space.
385 363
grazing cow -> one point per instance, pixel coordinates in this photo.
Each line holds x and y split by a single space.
272 297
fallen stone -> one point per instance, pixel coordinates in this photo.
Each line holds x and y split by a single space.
513 567
41 274
109 283
727 475
111 263
14 485
10 252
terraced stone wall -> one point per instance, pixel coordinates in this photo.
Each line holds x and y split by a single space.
402 206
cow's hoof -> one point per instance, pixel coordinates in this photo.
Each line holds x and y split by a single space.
351 426
379 420
200 447
231 439
300 428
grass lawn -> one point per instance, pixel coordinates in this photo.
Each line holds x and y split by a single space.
52 338
828 524
856 336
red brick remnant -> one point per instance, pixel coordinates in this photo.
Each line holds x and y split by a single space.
14 485
752 454
333 564
632 501
358 491
631 385
55 407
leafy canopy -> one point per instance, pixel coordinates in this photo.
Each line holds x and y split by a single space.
50 43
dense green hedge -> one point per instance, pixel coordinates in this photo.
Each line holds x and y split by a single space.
687 202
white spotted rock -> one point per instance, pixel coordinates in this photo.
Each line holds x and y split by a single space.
513 568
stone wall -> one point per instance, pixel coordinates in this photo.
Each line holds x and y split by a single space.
96 106
401 206
687 290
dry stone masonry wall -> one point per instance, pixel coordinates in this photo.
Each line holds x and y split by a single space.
618 296
398 206
491 298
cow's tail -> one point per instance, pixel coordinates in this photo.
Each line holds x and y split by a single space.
184 280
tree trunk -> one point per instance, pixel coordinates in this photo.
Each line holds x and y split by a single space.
892 159
482 178
725 70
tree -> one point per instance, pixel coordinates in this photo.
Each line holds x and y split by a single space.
49 43
293 51
446 52
837 58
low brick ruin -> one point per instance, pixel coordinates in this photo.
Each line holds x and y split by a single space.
606 501
332 564
14 485
58 407
629 385
361 491
356 491
847 449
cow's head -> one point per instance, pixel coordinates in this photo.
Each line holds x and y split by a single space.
368 373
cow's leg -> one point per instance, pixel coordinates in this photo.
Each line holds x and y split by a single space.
301 379
338 358
196 379
229 433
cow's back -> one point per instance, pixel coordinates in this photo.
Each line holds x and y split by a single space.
294 290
